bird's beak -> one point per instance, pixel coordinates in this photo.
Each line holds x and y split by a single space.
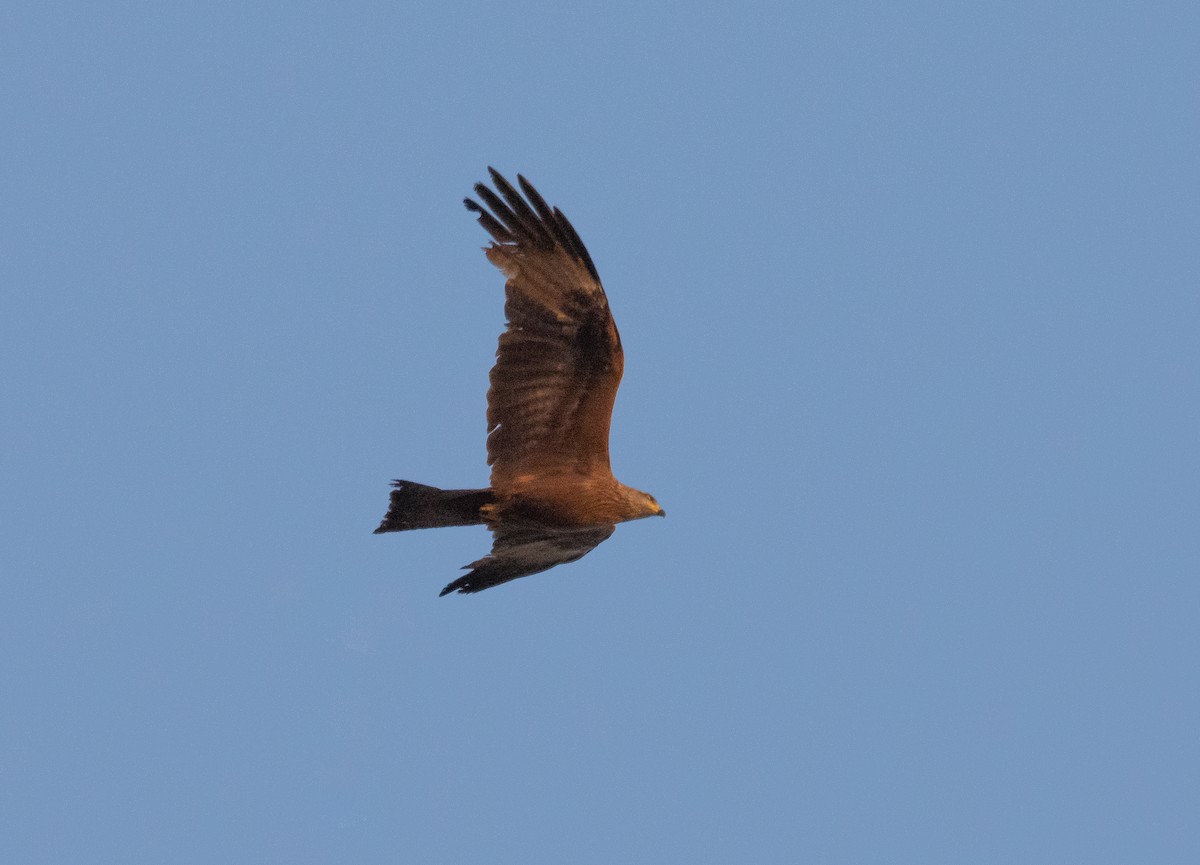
661 513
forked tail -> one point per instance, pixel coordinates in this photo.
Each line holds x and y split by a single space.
416 506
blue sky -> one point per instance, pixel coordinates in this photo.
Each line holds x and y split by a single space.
908 294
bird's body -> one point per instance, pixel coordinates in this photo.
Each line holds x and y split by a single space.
553 497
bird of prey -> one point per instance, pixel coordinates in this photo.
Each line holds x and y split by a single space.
553 497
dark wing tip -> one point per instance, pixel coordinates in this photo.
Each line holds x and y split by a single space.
484 574
490 224
462 585
526 219
574 244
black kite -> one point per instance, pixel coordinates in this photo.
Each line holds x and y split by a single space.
553 497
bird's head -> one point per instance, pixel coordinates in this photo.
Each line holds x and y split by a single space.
639 504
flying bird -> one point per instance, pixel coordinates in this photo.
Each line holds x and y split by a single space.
553 497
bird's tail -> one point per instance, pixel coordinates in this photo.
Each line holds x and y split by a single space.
416 506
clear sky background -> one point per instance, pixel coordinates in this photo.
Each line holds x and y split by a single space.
910 301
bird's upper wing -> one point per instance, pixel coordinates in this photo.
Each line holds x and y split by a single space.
523 549
559 361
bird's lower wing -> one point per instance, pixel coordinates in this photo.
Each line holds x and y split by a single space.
527 550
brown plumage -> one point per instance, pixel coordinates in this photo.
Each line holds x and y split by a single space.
553 497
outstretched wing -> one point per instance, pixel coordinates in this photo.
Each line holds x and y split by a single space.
559 362
524 550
